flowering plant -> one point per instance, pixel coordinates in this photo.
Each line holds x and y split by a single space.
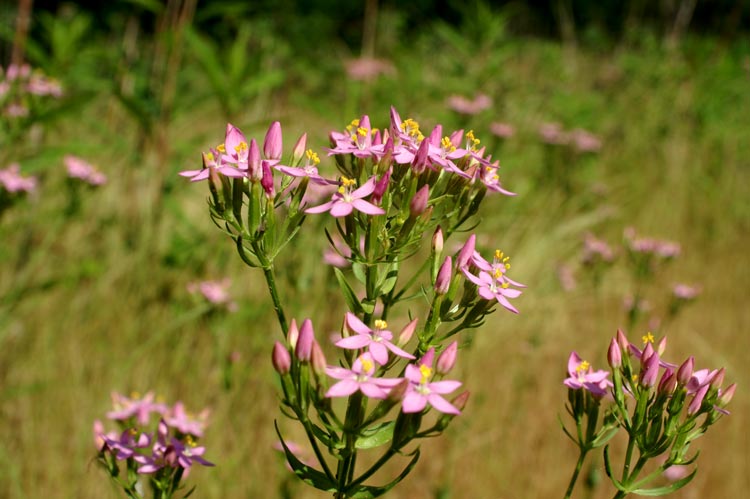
162 458
393 187
661 407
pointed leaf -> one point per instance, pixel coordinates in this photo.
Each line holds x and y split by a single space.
376 436
349 295
370 492
307 474
667 489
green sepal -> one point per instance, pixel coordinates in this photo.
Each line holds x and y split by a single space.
376 436
370 492
349 295
307 474
667 489
243 253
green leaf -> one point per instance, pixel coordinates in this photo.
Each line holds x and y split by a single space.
307 474
376 436
359 272
667 489
370 492
349 295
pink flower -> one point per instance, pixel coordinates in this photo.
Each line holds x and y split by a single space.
12 180
463 105
596 250
422 391
216 292
187 424
171 452
502 130
357 140
686 292
377 340
368 68
552 133
585 141
140 408
491 282
344 201
212 160
582 375
81 169
360 378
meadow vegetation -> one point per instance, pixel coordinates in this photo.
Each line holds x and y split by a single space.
94 279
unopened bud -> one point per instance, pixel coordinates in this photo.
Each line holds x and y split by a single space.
299 149
267 181
614 354
622 340
695 404
447 359
318 359
281 359
460 401
438 241
292 335
661 346
718 378
685 372
421 159
305 342
407 333
648 352
381 186
272 145
650 370
418 203
727 395
668 382
443 280
466 253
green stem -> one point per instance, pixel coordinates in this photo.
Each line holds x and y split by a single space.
576 471
271 282
373 469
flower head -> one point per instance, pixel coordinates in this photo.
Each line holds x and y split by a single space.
582 375
377 341
360 377
346 200
422 391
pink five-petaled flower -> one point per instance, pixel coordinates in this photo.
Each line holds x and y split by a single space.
582 375
360 377
494 286
140 408
421 391
169 451
344 201
184 422
211 161
309 169
377 340
125 446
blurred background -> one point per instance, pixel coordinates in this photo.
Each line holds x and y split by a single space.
605 115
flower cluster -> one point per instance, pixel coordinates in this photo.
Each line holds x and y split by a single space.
13 182
162 457
394 186
19 85
661 406
80 169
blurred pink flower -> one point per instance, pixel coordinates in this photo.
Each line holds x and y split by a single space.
595 250
12 180
686 292
463 105
216 292
368 68
135 406
585 141
502 130
566 277
553 133
80 169
186 423
16 110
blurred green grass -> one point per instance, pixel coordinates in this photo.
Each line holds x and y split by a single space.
96 302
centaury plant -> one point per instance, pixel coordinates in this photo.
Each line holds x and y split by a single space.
395 188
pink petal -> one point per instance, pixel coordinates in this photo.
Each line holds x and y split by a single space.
396 350
413 402
444 386
356 325
441 404
366 207
320 209
341 209
365 190
343 388
339 372
356 341
372 390
379 353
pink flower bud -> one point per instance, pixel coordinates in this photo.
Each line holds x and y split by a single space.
299 149
267 181
255 172
718 378
668 382
381 186
428 358
447 359
407 333
727 395
438 241
443 280
305 342
622 340
650 370
662 346
648 352
272 144
421 159
695 404
292 335
457 138
466 253
685 372
436 135
396 394
460 401
614 354
281 359
318 359
418 203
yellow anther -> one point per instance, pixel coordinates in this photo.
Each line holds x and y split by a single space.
374 131
367 364
505 285
497 273
133 431
362 132
499 254
312 156
221 148
507 266
583 366
648 338
241 147
426 372
380 324
355 122
210 157
348 182
447 144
